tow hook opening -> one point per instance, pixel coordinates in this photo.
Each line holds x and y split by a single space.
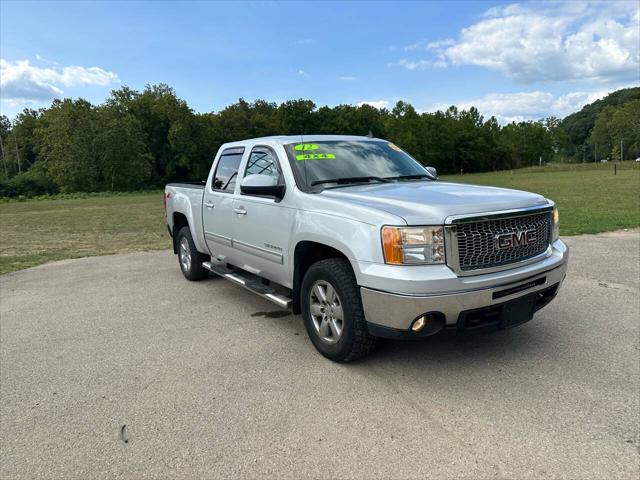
428 323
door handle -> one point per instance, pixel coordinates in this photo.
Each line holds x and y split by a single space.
209 205
240 211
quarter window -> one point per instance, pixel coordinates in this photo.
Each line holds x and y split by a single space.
224 178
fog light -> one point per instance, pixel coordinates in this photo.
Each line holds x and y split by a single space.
419 324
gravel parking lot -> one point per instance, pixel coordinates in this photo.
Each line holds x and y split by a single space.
118 367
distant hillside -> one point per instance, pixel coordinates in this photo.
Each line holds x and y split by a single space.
578 126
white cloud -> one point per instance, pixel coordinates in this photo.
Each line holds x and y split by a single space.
302 73
441 44
415 46
305 41
375 103
522 106
22 82
422 64
569 41
347 78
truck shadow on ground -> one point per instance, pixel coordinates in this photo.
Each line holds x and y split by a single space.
455 348
450 347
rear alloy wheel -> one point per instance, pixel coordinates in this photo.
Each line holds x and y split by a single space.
185 254
332 311
189 257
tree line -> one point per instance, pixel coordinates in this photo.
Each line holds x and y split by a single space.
144 139
600 128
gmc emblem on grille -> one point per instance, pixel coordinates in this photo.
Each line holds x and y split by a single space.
516 239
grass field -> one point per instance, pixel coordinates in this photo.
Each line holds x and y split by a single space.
39 231
590 198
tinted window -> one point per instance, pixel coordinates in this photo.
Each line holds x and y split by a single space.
262 161
325 160
224 178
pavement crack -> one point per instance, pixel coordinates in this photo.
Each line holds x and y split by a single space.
124 433
617 286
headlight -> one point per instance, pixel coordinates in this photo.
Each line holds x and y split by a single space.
556 224
413 245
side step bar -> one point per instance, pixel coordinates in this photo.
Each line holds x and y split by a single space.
264 291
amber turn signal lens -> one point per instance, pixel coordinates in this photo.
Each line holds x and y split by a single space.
392 245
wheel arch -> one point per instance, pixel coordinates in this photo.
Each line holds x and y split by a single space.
306 253
179 221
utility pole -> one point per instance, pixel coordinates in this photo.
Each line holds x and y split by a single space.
4 160
595 152
621 156
15 142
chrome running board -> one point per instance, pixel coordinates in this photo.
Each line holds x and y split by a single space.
264 291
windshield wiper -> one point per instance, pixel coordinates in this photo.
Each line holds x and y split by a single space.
417 176
342 181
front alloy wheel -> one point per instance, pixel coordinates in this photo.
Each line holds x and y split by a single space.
326 312
332 311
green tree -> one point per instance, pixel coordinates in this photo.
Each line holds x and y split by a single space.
157 109
24 127
578 126
123 160
616 125
403 127
296 117
5 130
66 145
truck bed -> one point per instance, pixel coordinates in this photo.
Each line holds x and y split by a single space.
198 185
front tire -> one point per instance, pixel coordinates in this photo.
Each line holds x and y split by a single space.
189 257
332 311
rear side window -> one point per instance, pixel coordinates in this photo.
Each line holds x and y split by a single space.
224 178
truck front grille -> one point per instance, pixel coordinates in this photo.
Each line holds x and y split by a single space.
492 242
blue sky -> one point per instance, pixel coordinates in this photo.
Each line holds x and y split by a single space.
515 61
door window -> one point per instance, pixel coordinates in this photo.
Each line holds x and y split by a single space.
224 178
262 161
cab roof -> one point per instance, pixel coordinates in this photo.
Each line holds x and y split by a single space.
286 139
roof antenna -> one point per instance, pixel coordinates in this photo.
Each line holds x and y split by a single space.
370 134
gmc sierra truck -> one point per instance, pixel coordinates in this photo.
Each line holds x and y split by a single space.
365 242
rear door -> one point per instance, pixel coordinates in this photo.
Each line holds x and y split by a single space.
262 224
217 204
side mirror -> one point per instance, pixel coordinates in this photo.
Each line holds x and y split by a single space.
260 184
433 172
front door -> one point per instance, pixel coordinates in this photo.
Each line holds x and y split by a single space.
217 207
262 224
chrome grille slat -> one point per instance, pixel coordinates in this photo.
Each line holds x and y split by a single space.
476 240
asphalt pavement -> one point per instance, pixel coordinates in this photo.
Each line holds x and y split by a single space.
118 367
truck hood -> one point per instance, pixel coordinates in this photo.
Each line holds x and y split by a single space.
423 203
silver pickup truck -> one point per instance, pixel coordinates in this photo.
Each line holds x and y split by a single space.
364 241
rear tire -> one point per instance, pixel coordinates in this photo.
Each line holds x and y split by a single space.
189 258
332 311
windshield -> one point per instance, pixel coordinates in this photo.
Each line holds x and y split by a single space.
321 162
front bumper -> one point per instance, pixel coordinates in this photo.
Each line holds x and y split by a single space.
391 314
